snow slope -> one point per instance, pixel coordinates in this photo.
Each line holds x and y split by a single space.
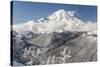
58 21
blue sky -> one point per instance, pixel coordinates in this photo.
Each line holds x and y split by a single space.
25 11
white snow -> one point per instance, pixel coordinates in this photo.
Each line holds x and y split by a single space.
59 21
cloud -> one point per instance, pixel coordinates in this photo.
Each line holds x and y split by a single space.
57 22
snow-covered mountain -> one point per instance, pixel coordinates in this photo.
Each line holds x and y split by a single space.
62 37
58 21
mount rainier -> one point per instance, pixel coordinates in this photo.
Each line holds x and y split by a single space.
59 21
62 37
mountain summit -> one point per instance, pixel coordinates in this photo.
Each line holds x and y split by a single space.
58 21
62 14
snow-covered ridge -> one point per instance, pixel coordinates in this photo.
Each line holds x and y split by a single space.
59 21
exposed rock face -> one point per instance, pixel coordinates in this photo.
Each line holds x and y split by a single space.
54 48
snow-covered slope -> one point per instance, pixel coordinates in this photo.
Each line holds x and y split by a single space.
54 48
62 37
58 21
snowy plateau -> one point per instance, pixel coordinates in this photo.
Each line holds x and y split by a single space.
62 37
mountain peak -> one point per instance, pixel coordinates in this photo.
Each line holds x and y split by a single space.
58 21
61 11
62 14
